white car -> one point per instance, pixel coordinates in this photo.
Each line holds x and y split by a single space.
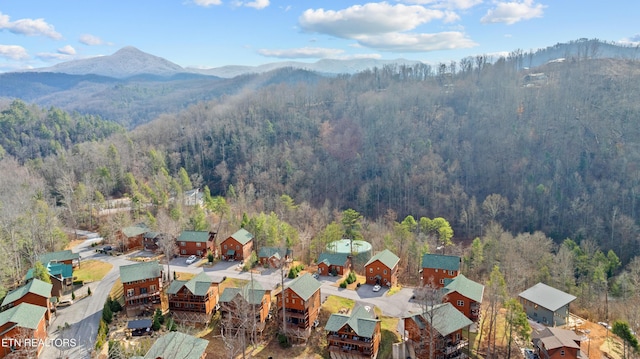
376 288
191 259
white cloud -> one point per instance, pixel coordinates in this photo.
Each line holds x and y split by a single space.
67 50
631 41
367 19
400 42
29 27
512 12
303 52
13 52
207 3
446 4
90 40
257 4
57 56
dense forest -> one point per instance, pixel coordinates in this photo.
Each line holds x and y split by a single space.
536 170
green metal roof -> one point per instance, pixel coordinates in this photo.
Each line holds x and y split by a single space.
252 292
268 252
362 320
333 258
445 317
386 257
60 270
242 236
139 271
466 287
440 261
135 230
58 256
198 285
35 286
194 236
176 345
24 315
305 286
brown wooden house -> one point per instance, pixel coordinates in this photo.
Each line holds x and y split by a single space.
301 302
60 257
382 269
142 284
35 292
465 295
244 308
238 246
132 237
23 329
556 343
436 268
440 327
273 256
196 243
354 336
193 300
336 264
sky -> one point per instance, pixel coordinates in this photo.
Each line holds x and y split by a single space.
214 33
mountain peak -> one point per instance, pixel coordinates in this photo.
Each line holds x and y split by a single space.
126 62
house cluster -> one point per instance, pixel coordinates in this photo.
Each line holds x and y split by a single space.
26 311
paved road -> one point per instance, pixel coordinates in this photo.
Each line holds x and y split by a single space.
83 317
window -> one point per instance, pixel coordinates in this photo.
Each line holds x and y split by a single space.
182 244
442 281
225 246
152 287
143 290
130 292
562 352
460 303
184 251
237 247
385 271
198 244
450 272
370 270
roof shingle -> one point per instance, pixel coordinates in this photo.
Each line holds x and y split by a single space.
386 257
35 286
140 271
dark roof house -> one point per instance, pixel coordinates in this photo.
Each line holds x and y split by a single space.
546 305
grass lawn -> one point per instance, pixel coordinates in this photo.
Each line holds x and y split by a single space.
184 275
232 283
92 270
394 290
333 304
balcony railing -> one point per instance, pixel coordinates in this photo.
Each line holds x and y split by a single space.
452 348
350 351
144 295
363 342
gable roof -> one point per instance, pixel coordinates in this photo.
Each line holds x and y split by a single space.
176 345
242 236
252 292
554 338
58 256
441 261
24 315
194 236
466 287
304 286
362 320
135 230
198 285
139 271
386 257
60 270
547 297
445 318
333 258
35 286
268 252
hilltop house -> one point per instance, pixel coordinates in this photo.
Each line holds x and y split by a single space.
546 304
238 246
251 302
23 329
35 292
354 336
439 328
382 269
334 263
142 284
196 243
193 300
465 295
132 237
438 267
61 257
273 256
557 343
301 302
177 345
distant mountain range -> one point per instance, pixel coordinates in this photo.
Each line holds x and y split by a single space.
133 87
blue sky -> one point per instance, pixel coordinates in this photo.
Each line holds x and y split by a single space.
213 33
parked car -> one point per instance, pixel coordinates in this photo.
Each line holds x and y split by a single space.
316 276
65 303
192 258
376 288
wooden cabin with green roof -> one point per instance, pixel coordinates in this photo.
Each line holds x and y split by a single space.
465 295
176 345
23 330
63 257
441 327
197 243
354 336
193 300
239 304
238 246
436 268
336 264
301 302
382 269
142 285
35 292
131 237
